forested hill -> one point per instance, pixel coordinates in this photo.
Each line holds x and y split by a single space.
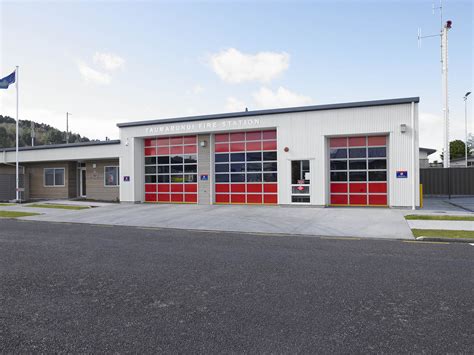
45 134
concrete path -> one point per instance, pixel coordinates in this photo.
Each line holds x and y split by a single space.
76 203
345 222
455 205
447 225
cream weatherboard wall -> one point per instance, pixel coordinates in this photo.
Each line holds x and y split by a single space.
66 156
37 188
95 181
305 134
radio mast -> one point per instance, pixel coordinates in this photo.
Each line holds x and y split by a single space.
445 27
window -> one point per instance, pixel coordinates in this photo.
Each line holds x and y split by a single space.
54 177
111 176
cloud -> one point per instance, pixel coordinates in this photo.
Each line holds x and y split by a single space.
234 105
93 76
86 124
234 66
197 89
431 131
266 98
109 61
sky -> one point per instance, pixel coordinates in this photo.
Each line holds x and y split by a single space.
109 62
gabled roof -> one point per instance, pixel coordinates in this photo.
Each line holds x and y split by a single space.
405 100
428 151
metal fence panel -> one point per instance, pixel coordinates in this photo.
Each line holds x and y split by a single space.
449 181
8 185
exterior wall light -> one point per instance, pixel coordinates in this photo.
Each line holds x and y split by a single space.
403 128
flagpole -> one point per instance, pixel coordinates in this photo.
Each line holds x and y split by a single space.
17 127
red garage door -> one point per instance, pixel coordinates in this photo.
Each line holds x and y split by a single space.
358 171
246 167
171 169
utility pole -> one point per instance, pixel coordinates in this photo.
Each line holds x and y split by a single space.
67 126
465 122
444 50
33 134
445 27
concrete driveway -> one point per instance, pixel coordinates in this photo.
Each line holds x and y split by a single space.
336 222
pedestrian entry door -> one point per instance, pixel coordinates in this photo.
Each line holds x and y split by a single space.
300 182
82 185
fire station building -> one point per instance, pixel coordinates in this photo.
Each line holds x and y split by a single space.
349 154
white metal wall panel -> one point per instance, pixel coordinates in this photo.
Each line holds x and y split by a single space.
304 133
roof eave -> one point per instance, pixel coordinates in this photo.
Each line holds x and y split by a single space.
273 111
63 145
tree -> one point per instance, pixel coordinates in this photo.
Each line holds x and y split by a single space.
3 137
457 149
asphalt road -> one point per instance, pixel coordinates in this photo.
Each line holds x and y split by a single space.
85 288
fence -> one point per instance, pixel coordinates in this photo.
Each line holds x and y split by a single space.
449 181
7 187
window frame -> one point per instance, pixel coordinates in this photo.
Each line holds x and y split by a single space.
54 177
118 175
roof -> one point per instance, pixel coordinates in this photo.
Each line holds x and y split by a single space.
428 151
469 158
405 100
64 145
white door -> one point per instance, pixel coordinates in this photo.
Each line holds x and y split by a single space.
300 182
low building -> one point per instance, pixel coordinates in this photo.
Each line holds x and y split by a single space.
64 171
424 154
461 162
349 154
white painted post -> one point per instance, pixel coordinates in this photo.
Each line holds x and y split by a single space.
413 157
17 185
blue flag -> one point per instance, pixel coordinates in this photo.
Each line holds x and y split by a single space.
6 81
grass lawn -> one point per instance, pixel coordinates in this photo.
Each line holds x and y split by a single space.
14 214
6 204
439 218
64 207
442 233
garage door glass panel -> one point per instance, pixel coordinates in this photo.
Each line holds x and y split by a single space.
219 158
358 170
171 167
357 153
338 153
242 175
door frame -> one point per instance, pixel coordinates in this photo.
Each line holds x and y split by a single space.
81 170
290 185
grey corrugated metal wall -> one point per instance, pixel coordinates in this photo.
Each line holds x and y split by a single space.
452 181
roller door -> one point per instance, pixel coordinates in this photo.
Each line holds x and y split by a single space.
246 169
358 171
